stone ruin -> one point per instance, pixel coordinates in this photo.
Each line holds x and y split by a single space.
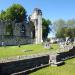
36 18
22 33
26 64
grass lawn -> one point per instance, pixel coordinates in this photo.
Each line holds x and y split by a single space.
15 50
67 69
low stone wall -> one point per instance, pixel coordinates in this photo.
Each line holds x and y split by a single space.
22 63
16 41
8 68
67 55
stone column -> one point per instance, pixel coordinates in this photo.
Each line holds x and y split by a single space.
36 31
40 29
36 17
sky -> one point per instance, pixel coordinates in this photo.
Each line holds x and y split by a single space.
51 9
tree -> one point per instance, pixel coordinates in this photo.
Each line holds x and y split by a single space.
14 12
65 28
60 33
2 15
59 24
71 22
60 28
71 25
46 28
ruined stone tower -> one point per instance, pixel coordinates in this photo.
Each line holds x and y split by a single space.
36 17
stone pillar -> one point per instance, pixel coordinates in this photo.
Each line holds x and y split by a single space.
36 17
36 31
39 28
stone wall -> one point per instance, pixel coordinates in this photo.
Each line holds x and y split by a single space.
16 41
67 55
17 33
21 65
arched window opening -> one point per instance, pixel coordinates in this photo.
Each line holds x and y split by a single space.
23 32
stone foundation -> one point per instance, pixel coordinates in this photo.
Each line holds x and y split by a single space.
26 63
20 65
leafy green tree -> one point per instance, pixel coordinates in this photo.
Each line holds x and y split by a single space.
60 28
71 22
65 28
60 33
71 29
59 24
2 15
14 12
46 28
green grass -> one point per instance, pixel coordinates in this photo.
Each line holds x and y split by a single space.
67 69
15 50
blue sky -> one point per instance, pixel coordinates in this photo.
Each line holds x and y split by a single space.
52 9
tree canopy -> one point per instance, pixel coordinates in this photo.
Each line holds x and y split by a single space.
65 28
14 12
46 28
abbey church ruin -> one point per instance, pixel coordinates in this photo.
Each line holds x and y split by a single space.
36 17
12 33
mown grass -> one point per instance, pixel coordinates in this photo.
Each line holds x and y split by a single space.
67 69
10 51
